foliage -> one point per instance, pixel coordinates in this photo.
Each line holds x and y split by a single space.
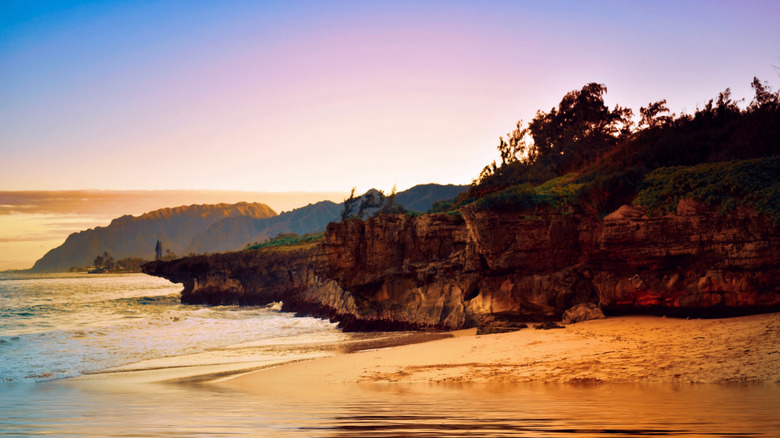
388 205
455 213
556 193
582 135
603 193
104 261
722 186
584 155
720 131
369 201
131 264
574 134
286 240
349 204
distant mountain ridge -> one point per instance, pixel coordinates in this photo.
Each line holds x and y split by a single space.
135 236
236 232
211 228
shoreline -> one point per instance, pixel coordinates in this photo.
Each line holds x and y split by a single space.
624 349
236 360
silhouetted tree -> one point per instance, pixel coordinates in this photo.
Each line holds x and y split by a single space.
583 135
158 251
650 116
105 261
764 98
578 131
575 134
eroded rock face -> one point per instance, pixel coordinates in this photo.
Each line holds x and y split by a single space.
259 278
691 262
405 269
500 268
497 269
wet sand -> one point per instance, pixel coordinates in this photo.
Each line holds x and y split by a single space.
630 349
240 359
629 378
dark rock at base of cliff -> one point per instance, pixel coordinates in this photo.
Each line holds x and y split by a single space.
492 329
582 312
548 326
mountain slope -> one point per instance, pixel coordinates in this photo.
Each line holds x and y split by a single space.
421 197
235 233
135 236
212 228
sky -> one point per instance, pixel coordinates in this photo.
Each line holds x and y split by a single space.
318 96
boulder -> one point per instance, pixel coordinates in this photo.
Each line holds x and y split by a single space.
582 312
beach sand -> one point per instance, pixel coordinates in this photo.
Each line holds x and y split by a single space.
628 349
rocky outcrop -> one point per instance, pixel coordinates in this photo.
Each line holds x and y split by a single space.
499 269
409 269
291 276
694 262
582 312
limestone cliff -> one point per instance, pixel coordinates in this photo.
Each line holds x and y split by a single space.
491 268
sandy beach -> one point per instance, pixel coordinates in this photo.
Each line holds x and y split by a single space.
629 349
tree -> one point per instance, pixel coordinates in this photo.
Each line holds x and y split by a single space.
764 97
650 116
158 251
389 206
578 131
349 204
515 148
367 201
105 261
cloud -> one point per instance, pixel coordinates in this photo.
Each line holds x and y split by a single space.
114 203
42 237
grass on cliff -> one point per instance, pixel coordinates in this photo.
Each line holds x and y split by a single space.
593 193
722 186
557 193
287 241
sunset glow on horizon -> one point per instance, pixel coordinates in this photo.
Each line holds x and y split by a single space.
324 96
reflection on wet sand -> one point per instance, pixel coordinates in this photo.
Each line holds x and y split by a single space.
419 410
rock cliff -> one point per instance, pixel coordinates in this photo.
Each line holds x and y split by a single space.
497 269
292 276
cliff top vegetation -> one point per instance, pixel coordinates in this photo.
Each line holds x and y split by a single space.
582 155
288 240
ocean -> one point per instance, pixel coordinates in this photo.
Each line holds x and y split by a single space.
76 351
54 326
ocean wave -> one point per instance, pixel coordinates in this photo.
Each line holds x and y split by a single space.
103 327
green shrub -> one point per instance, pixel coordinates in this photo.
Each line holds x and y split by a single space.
284 240
557 193
722 186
